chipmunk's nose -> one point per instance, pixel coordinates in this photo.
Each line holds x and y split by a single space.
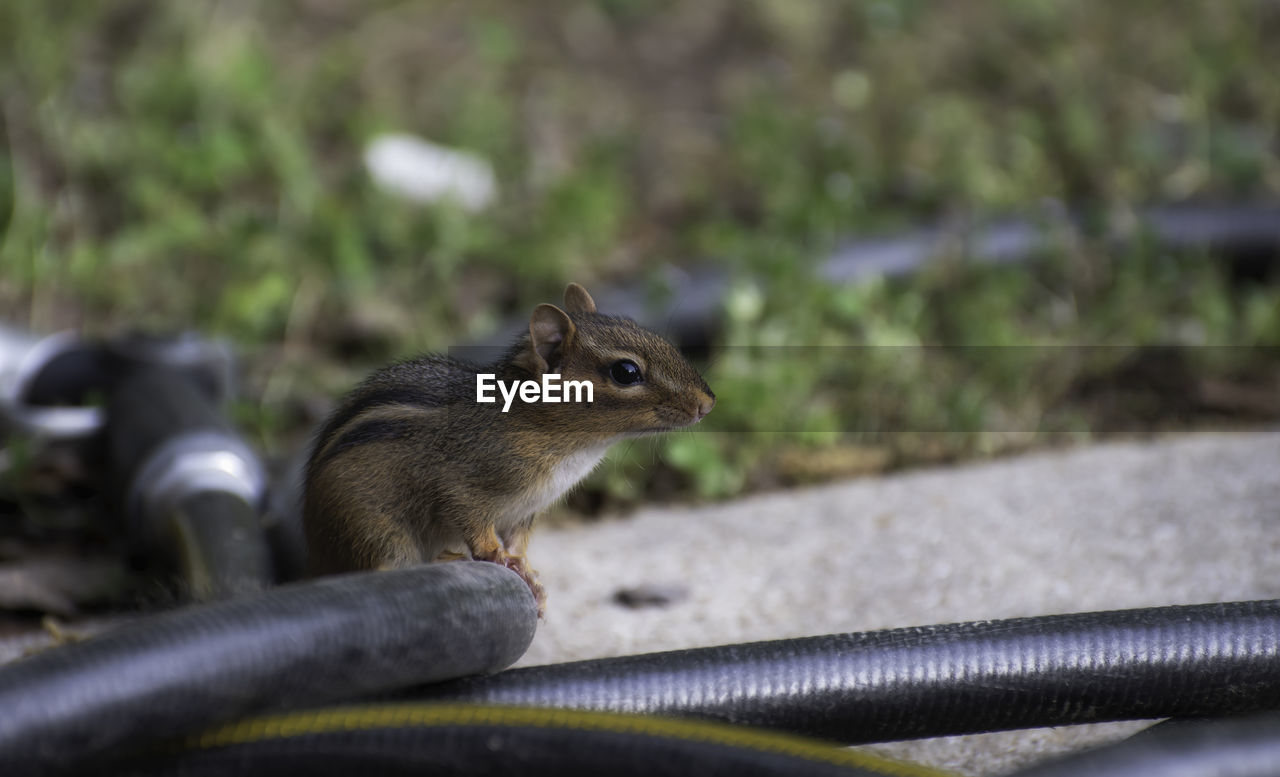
705 403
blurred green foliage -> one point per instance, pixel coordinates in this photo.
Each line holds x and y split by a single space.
198 164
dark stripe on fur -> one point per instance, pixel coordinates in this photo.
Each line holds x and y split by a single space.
375 430
376 396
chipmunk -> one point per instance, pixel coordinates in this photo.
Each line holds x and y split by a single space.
434 459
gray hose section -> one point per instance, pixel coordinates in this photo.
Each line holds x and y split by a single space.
299 645
1199 660
1245 747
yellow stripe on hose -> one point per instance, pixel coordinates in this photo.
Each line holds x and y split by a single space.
360 718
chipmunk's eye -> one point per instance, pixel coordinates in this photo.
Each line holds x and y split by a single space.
625 373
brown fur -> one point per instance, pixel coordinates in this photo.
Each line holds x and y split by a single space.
411 469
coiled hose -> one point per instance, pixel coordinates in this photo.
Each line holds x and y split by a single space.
305 644
962 678
1200 660
366 635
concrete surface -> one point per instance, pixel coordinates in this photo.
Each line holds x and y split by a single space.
1183 520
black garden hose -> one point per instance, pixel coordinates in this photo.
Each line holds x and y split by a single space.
1232 747
190 489
304 644
448 739
1200 660
341 638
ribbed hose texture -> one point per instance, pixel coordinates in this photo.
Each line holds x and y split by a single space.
304 644
964 678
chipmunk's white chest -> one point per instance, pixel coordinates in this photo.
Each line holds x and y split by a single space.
564 476
571 471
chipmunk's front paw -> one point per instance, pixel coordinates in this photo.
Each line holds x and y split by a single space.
521 567
529 575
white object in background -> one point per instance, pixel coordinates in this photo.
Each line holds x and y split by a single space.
426 172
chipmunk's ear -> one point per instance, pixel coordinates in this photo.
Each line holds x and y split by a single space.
550 330
577 300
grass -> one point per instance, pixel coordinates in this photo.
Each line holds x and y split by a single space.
198 165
